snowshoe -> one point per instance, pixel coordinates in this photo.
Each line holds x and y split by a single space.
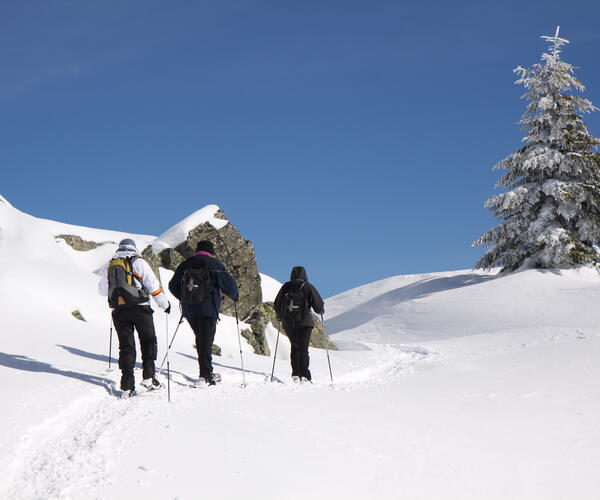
127 394
202 382
151 384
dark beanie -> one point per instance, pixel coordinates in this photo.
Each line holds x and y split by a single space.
205 246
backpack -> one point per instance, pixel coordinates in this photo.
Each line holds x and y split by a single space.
196 283
121 285
294 301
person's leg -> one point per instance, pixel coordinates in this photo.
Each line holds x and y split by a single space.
292 334
194 322
204 329
303 341
208 329
144 324
124 327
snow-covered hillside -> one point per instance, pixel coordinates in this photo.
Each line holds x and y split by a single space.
456 385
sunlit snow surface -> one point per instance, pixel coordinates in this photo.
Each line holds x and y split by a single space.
454 385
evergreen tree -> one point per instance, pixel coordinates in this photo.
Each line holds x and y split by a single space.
550 212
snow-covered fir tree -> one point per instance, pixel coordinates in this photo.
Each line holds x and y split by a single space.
550 212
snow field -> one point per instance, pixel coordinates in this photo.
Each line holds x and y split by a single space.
454 385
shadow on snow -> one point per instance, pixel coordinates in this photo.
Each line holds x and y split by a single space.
86 354
26 363
381 305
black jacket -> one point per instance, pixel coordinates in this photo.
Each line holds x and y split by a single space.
313 299
222 281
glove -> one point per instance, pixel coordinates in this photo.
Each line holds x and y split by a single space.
168 309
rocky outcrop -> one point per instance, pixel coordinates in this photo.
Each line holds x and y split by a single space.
236 253
258 321
78 243
319 338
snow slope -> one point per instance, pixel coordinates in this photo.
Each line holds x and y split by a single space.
457 385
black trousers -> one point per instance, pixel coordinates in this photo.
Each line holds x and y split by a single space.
300 338
204 330
125 321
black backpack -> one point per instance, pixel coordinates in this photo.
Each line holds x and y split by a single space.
294 301
121 283
196 282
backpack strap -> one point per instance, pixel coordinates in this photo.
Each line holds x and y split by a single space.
136 276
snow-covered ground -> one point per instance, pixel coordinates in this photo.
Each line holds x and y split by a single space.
456 385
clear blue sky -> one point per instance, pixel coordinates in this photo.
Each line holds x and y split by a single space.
355 138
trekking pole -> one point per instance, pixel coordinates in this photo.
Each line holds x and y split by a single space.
110 345
275 355
168 368
327 340
237 322
169 348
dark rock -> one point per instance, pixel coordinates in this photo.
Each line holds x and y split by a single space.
265 314
215 350
258 321
238 256
153 260
170 258
319 338
78 315
78 243
254 341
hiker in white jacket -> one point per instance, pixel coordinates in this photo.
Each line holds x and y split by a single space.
129 282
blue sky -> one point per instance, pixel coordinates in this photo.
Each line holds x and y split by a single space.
355 138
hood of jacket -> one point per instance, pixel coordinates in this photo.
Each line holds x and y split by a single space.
126 252
298 273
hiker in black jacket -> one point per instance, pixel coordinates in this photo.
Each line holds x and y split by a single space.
203 316
293 307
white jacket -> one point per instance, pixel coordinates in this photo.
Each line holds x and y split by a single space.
145 274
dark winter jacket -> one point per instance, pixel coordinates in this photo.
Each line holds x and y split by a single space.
313 300
222 282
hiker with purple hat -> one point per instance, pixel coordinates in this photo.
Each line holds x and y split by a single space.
197 283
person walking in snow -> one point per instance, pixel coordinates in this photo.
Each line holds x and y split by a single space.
197 283
128 282
293 308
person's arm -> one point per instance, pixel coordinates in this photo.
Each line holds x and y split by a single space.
175 283
316 302
225 282
150 283
277 303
